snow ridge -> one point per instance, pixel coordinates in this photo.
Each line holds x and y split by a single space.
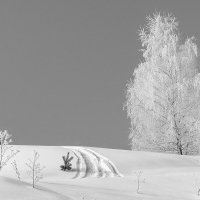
95 164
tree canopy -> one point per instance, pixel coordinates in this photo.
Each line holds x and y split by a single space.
163 98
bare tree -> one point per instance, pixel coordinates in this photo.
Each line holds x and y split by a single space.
35 169
6 151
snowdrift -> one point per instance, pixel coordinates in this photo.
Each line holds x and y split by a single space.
167 176
96 165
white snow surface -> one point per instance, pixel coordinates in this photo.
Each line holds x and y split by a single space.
96 165
167 176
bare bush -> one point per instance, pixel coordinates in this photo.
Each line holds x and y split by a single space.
35 169
6 151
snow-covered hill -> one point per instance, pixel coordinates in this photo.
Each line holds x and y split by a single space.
167 176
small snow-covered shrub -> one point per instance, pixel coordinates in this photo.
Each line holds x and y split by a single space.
6 151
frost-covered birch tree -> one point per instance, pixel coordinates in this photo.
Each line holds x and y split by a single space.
163 99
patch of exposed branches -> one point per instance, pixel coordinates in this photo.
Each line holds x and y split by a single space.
6 151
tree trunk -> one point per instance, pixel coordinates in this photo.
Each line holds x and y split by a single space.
180 150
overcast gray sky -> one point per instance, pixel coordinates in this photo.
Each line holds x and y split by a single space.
64 66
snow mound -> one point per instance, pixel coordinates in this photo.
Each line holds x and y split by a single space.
95 164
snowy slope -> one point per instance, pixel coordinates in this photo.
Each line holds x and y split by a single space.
166 176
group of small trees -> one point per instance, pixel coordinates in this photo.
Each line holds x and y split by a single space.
34 167
7 153
163 100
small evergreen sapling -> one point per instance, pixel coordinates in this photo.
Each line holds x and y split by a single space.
67 162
